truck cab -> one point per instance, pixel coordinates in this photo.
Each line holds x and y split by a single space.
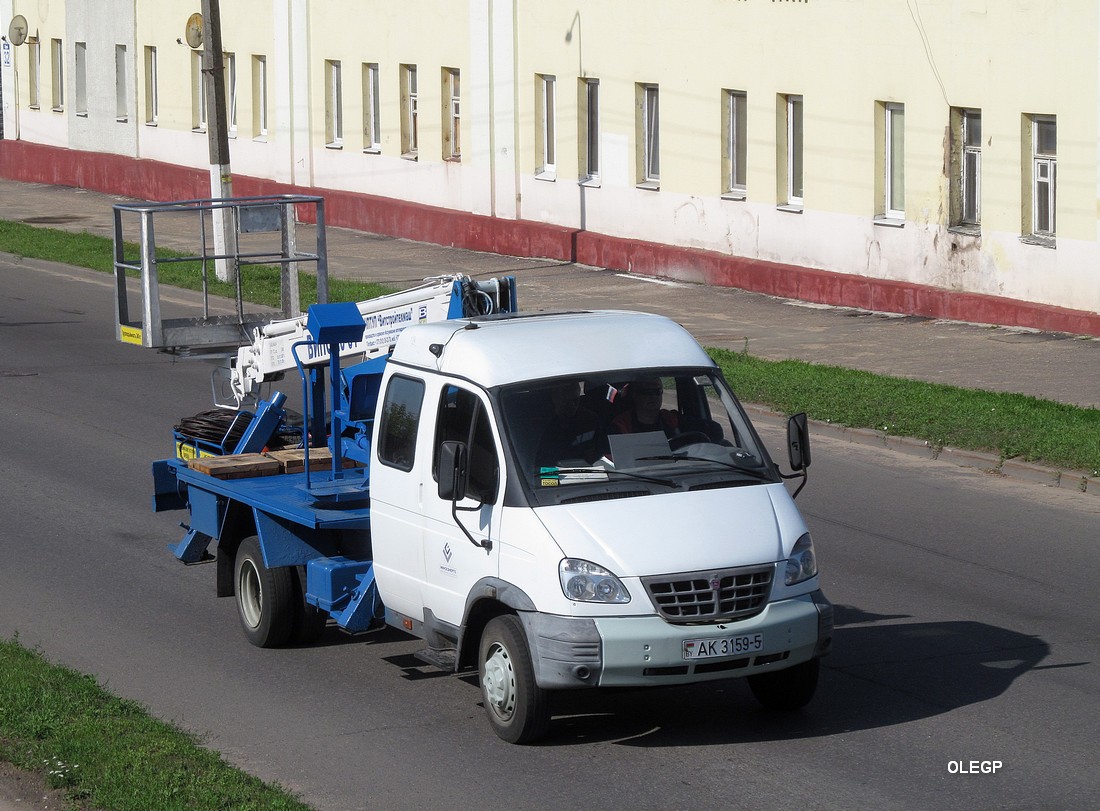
577 500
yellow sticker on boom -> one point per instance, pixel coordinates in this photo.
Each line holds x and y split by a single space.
130 335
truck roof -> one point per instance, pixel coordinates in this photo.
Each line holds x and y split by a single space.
496 350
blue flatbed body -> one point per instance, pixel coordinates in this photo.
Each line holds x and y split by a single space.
284 495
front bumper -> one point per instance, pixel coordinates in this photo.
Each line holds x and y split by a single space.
647 651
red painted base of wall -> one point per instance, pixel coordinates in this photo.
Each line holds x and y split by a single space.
152 180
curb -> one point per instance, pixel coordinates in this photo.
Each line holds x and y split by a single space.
1016 469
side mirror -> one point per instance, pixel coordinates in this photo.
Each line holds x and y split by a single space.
454 474
798 442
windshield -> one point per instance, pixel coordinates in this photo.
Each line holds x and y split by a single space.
630 433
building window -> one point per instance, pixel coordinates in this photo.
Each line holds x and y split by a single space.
1044 176
649 129
152 100
122 114
590 130
735 142
259 96
894 161
546 124
80 68
229 69
409 117
792 150
966 167
372 126
34 74
58 86
198 94
452 118
334 104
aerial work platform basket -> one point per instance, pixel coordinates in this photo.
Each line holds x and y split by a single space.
263 232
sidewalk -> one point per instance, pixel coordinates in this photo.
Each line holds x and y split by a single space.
1052 366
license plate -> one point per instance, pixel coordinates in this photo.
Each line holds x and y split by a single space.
723 646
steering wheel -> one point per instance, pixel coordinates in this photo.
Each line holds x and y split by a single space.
687 438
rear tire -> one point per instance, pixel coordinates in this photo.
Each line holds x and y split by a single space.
518 709
787 690
267 600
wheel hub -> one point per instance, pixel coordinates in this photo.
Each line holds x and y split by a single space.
499 682
249 591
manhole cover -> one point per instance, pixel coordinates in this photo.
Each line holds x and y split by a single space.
54 219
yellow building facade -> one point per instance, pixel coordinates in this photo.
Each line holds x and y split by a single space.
926 150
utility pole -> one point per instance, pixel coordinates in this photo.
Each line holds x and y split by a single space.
221 177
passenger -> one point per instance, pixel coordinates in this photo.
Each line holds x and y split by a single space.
644 412
573 434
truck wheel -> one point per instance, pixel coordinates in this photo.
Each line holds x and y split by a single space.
518 709
787 690
266 598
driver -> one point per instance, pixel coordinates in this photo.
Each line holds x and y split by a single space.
644 412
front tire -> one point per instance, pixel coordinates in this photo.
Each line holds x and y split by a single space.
266 598
787 690
518 709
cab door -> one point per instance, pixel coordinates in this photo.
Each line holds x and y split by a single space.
460 545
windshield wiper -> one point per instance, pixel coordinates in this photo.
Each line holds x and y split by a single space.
762 475
611 471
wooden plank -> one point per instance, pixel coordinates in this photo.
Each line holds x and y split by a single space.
294 460
236 466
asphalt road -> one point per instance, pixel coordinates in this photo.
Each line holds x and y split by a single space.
966 625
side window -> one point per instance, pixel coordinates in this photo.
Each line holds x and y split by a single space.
462 418
400 419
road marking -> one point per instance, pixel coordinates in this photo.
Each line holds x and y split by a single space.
649 279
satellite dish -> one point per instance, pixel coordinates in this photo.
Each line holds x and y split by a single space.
192 34
17 30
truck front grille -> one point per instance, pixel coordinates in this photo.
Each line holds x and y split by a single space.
725 594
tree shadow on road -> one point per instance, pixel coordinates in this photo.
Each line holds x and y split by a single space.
882 671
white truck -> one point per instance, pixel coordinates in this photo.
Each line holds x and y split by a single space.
558 501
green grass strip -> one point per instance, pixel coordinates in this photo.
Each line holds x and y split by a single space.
1009 425
108 753
260 283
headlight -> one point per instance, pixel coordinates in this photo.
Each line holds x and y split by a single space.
588 583
802 564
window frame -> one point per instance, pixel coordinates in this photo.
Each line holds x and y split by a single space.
478 426
57 79
372 124
546 126
650 133
152 92
198 94
80 79
893 155
34 73
259 97
410 115
334 104
229 72
735 144
1044 162
970 170
589 139
452 114
386 450
794 147
122 108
